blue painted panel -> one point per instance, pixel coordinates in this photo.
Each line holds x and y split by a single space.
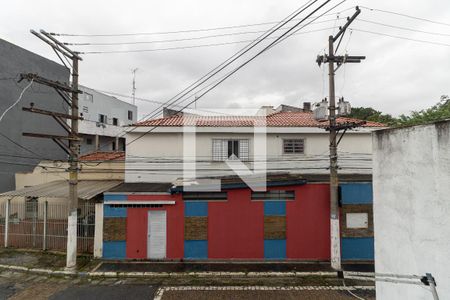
274 249
114 250
108 197
357 248
196 249
274 208
195 209
356 193
114 212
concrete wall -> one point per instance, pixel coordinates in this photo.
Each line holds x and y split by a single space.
411 179
355 154
13 61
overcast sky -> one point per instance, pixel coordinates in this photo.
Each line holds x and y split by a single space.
398 75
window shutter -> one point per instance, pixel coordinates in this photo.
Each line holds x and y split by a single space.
220 149
224 150
244 150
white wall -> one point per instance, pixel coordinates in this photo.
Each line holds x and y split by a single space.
411 182
169 145
110 106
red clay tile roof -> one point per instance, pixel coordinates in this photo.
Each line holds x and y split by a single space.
103 155
280 119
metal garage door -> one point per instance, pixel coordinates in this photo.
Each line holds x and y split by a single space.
156 234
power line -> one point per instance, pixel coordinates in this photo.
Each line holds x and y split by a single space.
21 146
401 37
280 38
403 28
229 60
191 46
17 101
150 101
405 15
236 56
178 31
180 39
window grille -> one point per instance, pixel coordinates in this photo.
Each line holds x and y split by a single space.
294 146
224 149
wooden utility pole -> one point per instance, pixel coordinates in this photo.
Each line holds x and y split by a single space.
73 147
334 128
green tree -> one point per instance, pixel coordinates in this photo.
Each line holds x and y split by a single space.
440 111
370 114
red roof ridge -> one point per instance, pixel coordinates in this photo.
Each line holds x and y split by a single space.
277 119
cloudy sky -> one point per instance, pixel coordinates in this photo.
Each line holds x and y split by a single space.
398 75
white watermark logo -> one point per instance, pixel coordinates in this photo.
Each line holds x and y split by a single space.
216 147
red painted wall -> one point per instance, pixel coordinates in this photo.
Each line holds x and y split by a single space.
137 227
308 223
236 227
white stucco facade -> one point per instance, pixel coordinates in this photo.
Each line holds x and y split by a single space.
411 184
156 156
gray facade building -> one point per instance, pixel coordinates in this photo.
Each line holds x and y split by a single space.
19 153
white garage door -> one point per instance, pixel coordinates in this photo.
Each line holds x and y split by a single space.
156 234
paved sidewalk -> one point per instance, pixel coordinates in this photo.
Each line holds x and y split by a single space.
226 266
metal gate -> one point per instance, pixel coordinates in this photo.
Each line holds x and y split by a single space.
33 224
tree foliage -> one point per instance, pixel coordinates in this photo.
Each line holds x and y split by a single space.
440 111
370 114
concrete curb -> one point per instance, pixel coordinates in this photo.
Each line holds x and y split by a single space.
164 274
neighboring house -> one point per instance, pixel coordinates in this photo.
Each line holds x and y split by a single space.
93 166
104 116
411 180
41 199
295 142
19 153
289 221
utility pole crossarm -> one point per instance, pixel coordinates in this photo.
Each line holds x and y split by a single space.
50 113
55 84
349 21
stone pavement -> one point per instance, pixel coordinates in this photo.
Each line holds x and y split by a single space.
24 286
40 275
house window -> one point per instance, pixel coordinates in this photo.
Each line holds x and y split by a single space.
294 146
357 220
88 141
204 196
274 195
102 118
31 207
115 121
130 115
229 149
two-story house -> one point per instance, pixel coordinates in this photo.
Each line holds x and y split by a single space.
294 141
